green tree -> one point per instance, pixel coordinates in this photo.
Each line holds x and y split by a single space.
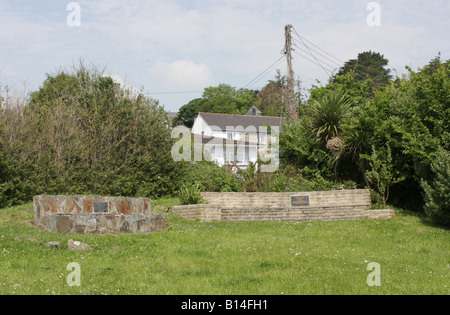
411 116
5 184
223 99
222 90
368 66
358 91
187 113
355 138
382 173
82 133
226 99
300 147
437 190
357 142
271 98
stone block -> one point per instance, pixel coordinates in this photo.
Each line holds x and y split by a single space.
88 206
64 224
123 206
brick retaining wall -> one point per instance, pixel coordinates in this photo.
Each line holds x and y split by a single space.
256 207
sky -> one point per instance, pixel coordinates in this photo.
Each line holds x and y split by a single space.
173 49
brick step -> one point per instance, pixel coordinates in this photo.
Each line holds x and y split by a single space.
284 199
292 217
288 218
285 214
307 210
329 200
262 219
279 203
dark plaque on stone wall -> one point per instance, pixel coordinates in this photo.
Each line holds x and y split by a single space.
100 207
299 201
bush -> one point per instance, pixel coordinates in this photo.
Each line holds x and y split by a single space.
382 174
82 133
5 184
211 177
15 183
190 194
437 194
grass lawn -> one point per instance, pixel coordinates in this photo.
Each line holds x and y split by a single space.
230 258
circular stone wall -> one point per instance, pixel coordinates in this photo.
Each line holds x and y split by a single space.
94 214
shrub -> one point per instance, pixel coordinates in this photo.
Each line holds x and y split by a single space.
190 194
251 176
212 177
437 193
382 174
83 133
5 184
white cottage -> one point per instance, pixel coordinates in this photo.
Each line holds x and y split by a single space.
238 139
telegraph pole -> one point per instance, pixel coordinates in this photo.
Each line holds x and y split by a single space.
290 97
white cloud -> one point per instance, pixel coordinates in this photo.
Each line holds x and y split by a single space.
182 75
179 45
124 84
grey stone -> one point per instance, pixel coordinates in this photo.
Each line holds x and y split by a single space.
64 224
125 227
52 244
75 245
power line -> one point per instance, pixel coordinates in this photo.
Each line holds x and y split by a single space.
312 61
320 62
304 39
326 71
310 50
251 83
340 64
326 66
311 80
317 52
259 77
317 61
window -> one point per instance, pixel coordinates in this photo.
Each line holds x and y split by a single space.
262 138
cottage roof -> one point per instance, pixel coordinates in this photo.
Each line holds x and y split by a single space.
226 120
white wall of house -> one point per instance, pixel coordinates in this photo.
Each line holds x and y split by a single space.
199 125
243 154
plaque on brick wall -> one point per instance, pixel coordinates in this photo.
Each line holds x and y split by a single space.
299 201
100 207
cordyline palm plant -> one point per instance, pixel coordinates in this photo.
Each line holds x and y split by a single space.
328 113
357 142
